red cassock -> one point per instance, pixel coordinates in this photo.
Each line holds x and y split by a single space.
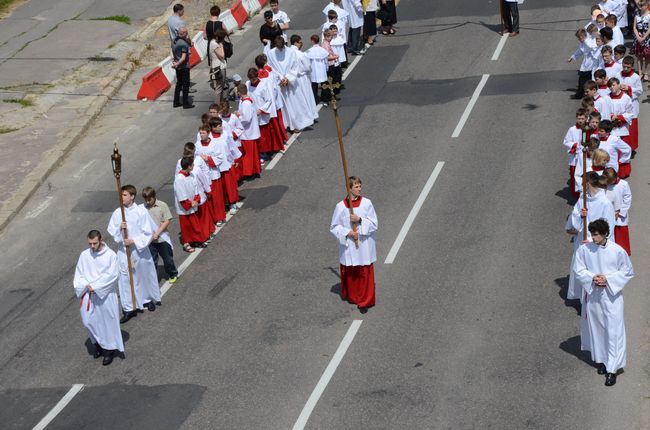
622 238
266 138
358 285
634 134
250 161
229 183
191 229
624 170
204 213
218 203
283 129
277 135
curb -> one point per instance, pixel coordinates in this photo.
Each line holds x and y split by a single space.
55 154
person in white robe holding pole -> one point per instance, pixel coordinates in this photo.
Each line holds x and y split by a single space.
95 284
285 62
603 269
140 229
356 263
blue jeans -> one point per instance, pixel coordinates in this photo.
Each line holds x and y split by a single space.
167 254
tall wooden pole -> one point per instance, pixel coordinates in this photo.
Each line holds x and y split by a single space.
116 162
331 87
584 180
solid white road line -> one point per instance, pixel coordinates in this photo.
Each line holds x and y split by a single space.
327 375
414 213
276 157
470 106
76 388
351 67
497 51
190 259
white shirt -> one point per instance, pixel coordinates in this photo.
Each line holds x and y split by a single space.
349 254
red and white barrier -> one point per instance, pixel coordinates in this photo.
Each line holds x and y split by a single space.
229 21
252 6
239 12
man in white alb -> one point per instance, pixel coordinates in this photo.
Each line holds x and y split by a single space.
95 284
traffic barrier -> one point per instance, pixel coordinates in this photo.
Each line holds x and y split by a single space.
153 85
239 13
252 6
229 21
199 49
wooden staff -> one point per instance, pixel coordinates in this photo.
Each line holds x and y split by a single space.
583 136
331 87
116 161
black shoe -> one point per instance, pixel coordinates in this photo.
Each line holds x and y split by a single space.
188 106
127 316
158 303
633 154
151 306
601 369
610 379
177 105
98 351
108 358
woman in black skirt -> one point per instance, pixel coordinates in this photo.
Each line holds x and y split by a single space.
388 16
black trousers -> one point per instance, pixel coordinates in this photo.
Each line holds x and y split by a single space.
354 40
314 88
582 78
167 255
511 16
182 85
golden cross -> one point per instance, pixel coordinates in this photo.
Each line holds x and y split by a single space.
331 86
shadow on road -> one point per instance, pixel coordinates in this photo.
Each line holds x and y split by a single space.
563 283
572 346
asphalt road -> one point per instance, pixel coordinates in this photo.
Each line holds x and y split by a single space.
470 328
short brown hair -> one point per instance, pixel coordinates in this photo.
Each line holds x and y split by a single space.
129 189
148 193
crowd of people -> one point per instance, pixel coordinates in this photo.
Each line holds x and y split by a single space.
600 147
279 96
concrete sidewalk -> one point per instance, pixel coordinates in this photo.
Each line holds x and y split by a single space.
60 63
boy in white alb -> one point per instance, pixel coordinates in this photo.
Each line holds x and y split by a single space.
250 136
318 57
624 195
619 151
357 252
187 200
622 110
572 140
602 104
631 84
585 50
603 269
139 228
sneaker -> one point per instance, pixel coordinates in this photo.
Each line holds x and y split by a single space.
233 210
220 223
173 280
